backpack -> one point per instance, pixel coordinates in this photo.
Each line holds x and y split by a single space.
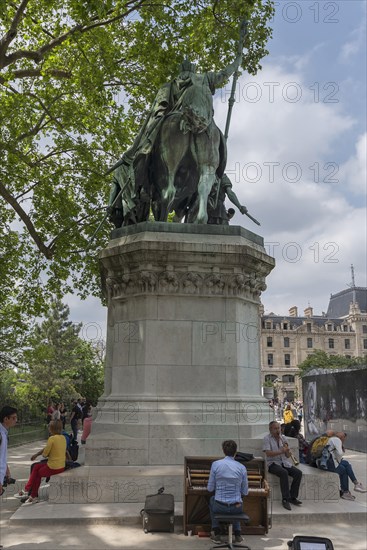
158 513
72 445
322 462
73 448
316 448
67 437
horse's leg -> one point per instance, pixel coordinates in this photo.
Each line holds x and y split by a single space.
141 168
207 156
168 195
198 212
173 146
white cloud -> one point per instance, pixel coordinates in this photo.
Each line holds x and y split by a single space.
309 218
319 265
357 39
276 117
354 171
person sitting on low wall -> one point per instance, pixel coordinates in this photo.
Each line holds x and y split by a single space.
278 459
55 452
336 463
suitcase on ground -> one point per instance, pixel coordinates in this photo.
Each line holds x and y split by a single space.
158 513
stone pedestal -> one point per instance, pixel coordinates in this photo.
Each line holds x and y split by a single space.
183 344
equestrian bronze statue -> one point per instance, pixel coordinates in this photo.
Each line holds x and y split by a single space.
178 158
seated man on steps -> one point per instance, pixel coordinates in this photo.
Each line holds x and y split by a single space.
228 479
278 459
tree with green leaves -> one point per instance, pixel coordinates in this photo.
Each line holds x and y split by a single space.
57 364
319 359
76 79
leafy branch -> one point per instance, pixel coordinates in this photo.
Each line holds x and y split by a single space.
26 220
38 55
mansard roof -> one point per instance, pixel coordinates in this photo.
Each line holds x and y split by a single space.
339 308
340 302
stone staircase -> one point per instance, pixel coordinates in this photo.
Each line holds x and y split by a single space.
131 484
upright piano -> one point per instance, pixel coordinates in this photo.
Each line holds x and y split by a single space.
196 515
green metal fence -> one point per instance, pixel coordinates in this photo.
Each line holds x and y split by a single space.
26 432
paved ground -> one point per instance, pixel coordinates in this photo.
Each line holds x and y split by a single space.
73 526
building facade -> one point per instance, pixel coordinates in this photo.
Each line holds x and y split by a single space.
286 341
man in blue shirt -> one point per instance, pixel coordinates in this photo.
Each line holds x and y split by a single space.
8 419
228 479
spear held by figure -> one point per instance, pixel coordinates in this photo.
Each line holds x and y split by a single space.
231 101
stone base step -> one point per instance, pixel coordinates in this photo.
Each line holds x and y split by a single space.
129 514
130 484
115 484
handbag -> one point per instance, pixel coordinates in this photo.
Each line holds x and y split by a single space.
243 457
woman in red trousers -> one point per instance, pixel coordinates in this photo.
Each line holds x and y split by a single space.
55 452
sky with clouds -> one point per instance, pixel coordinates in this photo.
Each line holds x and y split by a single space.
297 156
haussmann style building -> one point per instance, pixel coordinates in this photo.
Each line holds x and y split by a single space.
286 341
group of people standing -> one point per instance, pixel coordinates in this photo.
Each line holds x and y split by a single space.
56 411
80 416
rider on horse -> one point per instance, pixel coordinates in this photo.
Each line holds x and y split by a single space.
180 95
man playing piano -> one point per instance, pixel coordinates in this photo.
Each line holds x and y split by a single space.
228 479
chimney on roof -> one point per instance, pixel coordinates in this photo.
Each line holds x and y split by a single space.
293 311
308 311
354 308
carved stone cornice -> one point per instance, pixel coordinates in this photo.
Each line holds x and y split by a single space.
170 282
185 264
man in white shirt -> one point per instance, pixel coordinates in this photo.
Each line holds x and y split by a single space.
8 419
279 463
336 463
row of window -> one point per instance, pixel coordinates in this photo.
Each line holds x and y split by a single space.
331 343
286 378
287 359
309 327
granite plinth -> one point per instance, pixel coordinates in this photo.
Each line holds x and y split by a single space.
183 348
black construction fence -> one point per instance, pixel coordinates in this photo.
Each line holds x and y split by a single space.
336 400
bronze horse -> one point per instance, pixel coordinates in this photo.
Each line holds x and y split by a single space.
189 153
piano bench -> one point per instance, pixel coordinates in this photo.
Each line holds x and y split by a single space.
229 519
